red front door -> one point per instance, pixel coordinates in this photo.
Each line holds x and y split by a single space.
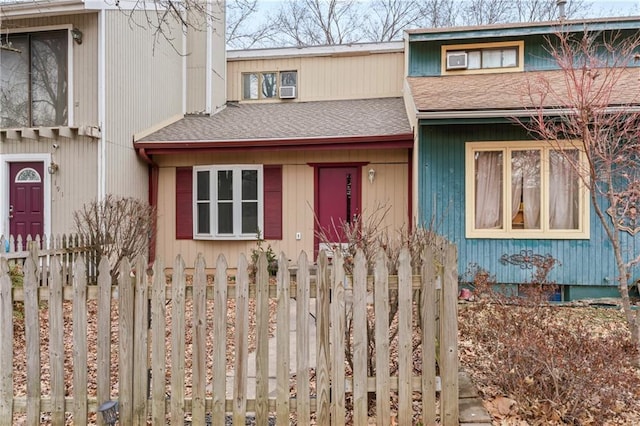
26 199
338 201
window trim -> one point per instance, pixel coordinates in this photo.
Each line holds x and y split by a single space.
237 213
260 97
519 45
583 231
70 62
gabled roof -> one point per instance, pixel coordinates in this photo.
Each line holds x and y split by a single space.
506 94
361 123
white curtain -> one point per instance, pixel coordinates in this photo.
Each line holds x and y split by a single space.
488 166
525 186
563 190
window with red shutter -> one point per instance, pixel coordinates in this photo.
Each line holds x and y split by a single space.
272 202
184 203
215 219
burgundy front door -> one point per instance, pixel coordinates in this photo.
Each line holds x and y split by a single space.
26 199
338 200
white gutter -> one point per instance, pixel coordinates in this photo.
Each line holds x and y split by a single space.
208 64
506 113
102 106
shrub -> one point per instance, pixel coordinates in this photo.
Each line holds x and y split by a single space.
118 227
272 259
551 360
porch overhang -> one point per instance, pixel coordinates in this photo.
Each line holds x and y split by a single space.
398 141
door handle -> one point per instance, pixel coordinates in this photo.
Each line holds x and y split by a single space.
11 212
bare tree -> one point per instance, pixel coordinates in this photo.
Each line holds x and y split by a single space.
595 106
438 13
388 18
547 10
319 22
243 31
484 12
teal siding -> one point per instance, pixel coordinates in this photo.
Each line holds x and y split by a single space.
441 203
425 56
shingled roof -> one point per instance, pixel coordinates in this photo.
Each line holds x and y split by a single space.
514 91
264 124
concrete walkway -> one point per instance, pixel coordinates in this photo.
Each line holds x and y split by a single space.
251 367
471 409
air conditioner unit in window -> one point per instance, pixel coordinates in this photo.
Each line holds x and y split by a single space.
287 92
456 60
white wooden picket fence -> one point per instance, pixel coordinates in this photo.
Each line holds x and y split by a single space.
162 356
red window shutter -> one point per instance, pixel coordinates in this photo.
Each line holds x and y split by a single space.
184 203
272 202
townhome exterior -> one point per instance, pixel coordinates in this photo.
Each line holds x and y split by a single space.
466 90
78 80
309 138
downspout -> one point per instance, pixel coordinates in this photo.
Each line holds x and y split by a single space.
154 172
410 186
102 143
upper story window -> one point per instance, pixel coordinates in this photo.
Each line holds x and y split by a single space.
34 79
531 191
269 85
228 202
483 58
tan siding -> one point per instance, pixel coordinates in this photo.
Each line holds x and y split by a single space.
196 43
328 78
143 87
85 61
219 59
75 182
388 190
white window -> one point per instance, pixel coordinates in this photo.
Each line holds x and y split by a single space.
485 57
527 191
264 85
228 201
34 79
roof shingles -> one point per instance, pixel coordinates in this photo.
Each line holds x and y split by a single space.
289 120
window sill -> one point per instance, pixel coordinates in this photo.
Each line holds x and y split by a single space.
530 235
226 238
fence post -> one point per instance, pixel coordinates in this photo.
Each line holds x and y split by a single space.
323 389
103 344
79 343
126 344
262 341
282 343
381 309
242 349
428 320
219 341
449 337
32 338
140 330
405 336
56 342
198 344
302 338
6 349
338 326
360 340
178 284
159 349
